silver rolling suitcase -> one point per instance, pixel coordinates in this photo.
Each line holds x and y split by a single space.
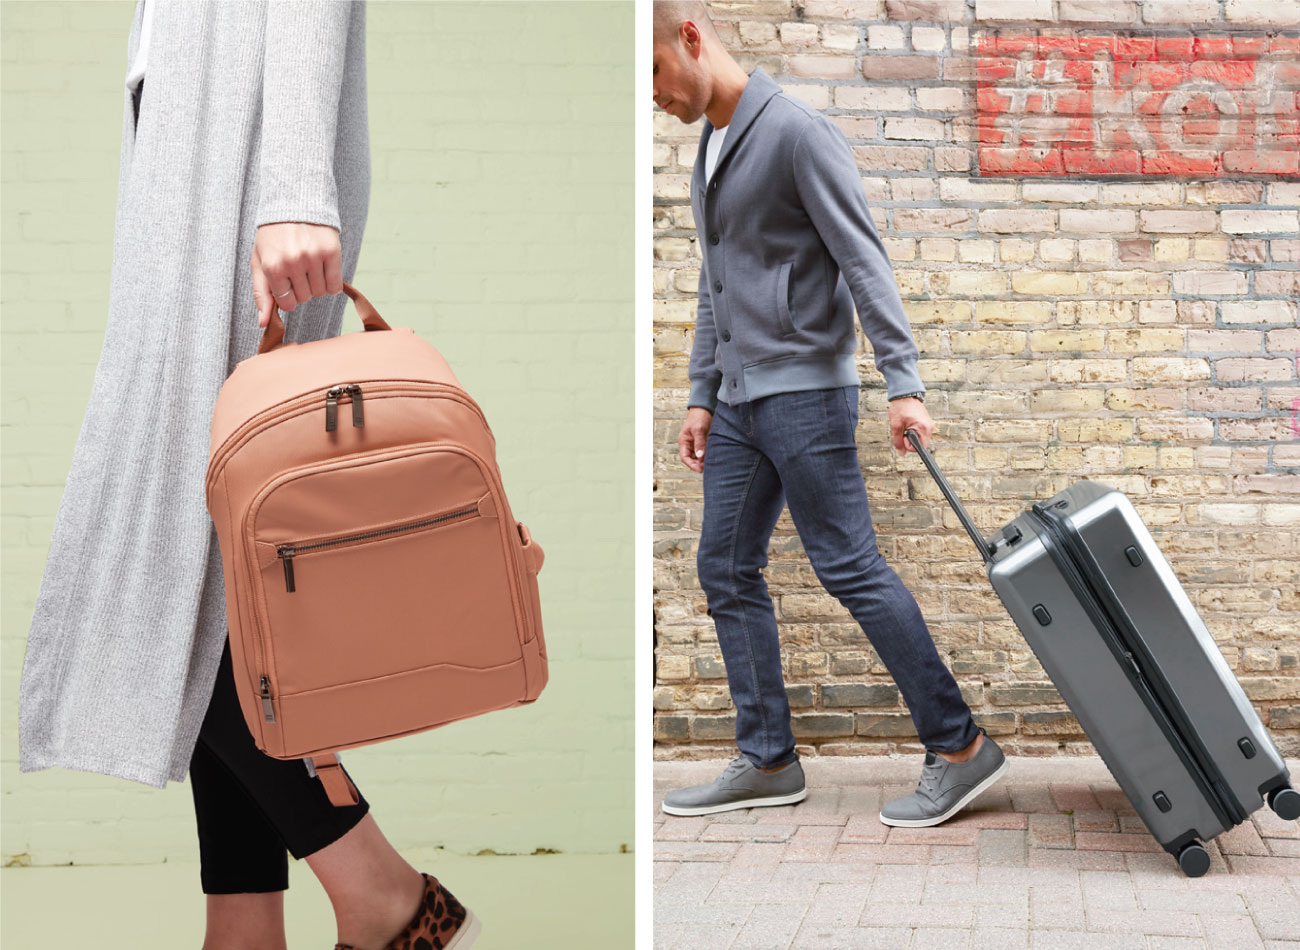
1110 623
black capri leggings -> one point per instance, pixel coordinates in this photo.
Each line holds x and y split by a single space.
250 807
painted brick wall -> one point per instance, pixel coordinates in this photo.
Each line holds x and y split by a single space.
1119 104
1127 318
501 140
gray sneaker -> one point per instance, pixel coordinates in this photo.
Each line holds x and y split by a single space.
946 787
739 786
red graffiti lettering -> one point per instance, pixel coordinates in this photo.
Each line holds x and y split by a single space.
1132 105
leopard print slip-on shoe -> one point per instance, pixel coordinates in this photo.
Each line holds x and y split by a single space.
441 923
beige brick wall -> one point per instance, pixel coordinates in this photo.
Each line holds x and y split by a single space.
1140 331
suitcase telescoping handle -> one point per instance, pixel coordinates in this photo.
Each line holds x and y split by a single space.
273 335
985 548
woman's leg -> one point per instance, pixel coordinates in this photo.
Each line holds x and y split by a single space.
245 922
244 868
375 892
252 808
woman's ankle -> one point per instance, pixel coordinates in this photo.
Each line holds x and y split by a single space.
374 926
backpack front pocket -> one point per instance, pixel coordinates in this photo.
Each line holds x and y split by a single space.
380 564
287 552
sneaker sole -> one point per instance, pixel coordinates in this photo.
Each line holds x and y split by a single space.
958 806
689 811
468 933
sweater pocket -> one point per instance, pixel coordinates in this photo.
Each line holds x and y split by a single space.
784 307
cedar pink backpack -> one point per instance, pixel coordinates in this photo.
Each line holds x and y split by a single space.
377 583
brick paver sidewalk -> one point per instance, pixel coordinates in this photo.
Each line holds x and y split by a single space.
1051 857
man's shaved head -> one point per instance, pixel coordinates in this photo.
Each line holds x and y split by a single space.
670 14
694 72
688 54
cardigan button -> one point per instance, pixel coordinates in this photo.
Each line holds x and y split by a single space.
713 238
726 336
717 286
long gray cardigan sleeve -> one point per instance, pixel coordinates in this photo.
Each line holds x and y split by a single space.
302 77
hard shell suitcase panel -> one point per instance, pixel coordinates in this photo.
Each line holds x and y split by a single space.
1112 626
1097 689
1180 646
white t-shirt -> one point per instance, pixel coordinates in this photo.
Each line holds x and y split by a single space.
136 72
711 151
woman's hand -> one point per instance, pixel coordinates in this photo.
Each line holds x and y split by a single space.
292 263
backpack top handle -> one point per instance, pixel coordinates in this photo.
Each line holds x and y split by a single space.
273 336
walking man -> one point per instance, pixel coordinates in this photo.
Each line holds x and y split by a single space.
789 249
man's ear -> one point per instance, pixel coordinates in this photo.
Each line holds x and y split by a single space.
692 39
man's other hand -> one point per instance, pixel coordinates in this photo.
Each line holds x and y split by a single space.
909 413
695 432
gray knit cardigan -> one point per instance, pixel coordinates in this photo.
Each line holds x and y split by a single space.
251 113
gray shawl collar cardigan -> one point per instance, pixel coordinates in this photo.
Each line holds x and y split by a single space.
788 248
251 113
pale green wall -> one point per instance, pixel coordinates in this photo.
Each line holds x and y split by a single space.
500 228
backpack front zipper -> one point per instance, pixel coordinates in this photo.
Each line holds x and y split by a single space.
288 551
332 405
288 407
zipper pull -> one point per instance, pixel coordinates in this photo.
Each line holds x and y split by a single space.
267 709
287 552
332 407
355 390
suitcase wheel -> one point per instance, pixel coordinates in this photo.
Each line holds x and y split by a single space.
1194 860
1285 802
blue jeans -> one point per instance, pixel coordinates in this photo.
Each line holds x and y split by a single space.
799 448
